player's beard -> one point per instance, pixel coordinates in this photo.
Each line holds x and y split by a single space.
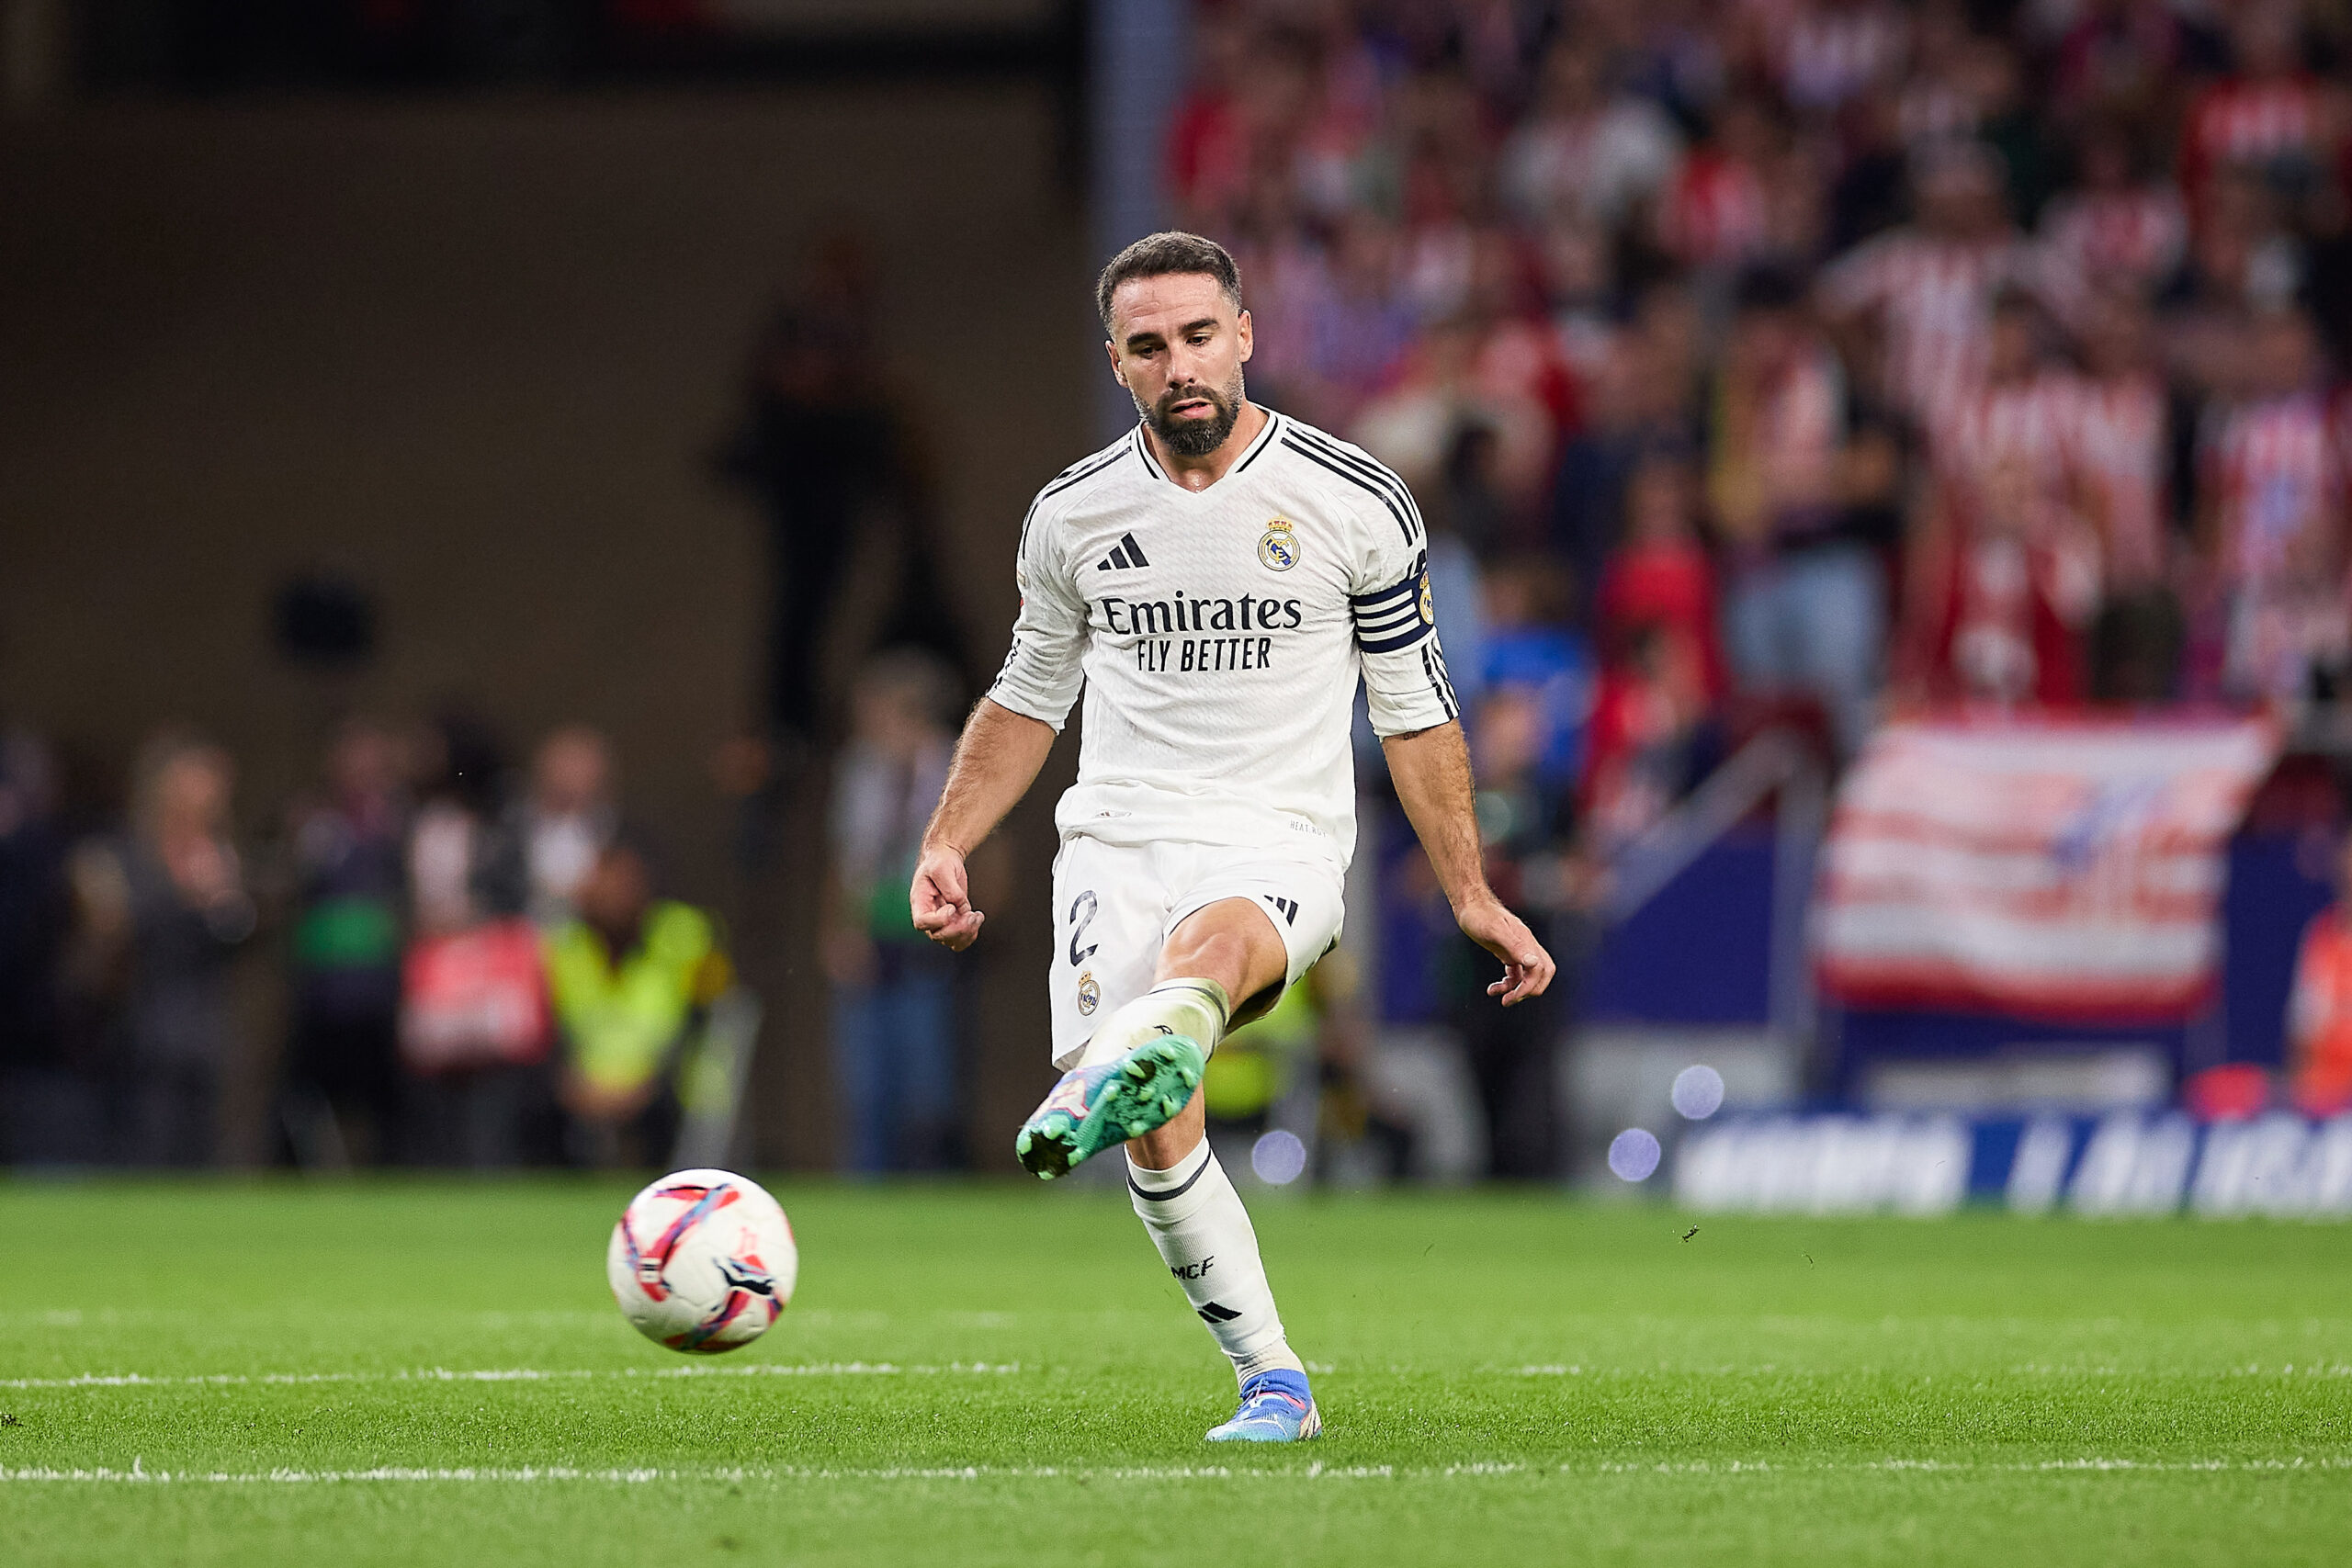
1194 437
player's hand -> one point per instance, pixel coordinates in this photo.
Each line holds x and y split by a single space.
1527 968
941 899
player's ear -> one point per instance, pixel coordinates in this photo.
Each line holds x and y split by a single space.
1113 350
1249 335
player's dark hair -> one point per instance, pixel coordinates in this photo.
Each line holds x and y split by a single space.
1159 255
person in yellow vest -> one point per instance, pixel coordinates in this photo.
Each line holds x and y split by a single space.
630 977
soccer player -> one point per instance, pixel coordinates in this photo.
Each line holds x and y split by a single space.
1215 580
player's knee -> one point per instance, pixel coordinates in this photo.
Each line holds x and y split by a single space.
1216 954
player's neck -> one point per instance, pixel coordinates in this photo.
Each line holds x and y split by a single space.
1197 474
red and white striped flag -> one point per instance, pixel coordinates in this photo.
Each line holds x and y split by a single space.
2068 869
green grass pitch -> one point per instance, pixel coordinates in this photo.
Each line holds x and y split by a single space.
425 1373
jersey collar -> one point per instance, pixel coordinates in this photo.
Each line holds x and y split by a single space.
1265 438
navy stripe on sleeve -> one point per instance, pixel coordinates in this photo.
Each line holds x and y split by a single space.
1376 472
1391 617
1404 522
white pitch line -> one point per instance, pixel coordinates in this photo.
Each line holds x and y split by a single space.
139 1474
966 1369
522 1374
2288 1369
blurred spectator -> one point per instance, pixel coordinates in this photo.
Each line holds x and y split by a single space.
1870 191
829 457
1636 411
632 978
893 1022
2120 57
2124 230
1579 278
474 1024
1715 214
1804 598
1206 147
2272 525
2002 614
1510 1050
564 822
1830 52
160 911
1662 575
2319 1010
1585 151
2010 560
1654 736
341 1093
2125 439
44 1115
452 874
1536 651
2269 115
1913 303
1472 416
1354 326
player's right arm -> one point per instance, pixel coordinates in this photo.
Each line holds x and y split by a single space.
996 761
1005 741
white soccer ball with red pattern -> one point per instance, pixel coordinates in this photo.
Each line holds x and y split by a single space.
702 1261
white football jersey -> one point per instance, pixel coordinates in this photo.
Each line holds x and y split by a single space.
1220 635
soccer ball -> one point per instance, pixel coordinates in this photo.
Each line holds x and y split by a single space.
703 1261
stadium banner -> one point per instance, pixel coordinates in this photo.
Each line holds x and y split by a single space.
2069 869
2280 1165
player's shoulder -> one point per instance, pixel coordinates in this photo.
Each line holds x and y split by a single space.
1351 475
1089 473
1304 439
1083 482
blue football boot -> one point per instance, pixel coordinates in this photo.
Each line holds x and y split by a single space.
1276 1407
1094 1108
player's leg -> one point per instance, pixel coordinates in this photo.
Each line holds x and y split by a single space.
1182 1194
1111 909
1142 1068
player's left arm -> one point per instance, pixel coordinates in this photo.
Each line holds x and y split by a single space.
1413 709
1432 770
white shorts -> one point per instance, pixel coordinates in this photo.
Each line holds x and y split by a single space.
1114 906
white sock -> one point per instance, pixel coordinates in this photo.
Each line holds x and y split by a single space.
1194 1008
1204 1234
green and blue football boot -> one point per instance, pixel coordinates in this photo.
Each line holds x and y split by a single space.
1094 1108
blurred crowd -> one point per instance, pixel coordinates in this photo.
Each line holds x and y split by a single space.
1812 353
1758 364
469 972
1788 363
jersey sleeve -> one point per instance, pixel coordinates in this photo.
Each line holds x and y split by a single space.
1404 682
1045 669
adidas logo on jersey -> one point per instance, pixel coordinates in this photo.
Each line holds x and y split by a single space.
1125 556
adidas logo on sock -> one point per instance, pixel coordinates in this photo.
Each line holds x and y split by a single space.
1125 556
1215 1312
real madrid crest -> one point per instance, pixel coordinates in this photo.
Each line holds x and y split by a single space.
1090 995
1278 545
1429 605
